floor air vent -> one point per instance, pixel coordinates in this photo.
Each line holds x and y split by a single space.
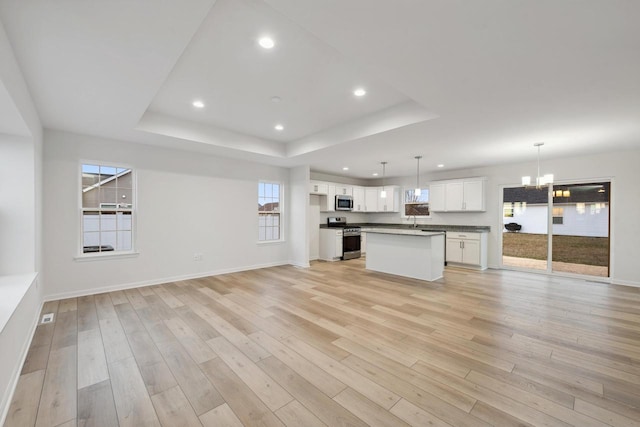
47 318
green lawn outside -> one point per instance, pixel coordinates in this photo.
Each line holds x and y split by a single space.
573 249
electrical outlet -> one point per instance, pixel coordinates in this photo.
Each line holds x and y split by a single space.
197 256
47 318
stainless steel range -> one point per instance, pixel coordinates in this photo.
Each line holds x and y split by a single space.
350 237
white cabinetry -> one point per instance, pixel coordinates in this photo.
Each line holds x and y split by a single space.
436 197
365 199
457 195
371 199
467 249
358 199
344 190
319 188
473 194
328 204
330 244
390 203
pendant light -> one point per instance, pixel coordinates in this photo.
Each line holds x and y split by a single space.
540 180
417 191
383 193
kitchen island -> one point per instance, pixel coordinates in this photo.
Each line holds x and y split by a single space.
411 253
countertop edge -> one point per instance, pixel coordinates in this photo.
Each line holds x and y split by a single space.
429 227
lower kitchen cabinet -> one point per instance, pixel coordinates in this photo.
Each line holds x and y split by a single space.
467 249
330 244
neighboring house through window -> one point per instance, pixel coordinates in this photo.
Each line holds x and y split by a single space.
269 220
107 208
416 205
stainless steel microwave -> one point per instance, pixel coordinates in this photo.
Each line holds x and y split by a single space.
344 203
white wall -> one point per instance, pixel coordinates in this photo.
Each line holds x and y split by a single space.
20 218
17 206
621 167
533 219
186 202
298 217
591 222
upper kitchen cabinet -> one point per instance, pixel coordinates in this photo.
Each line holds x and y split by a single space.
458 195
390 203
320 188
371 199
344 190
328 204
358 199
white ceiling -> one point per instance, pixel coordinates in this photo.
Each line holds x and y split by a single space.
466 84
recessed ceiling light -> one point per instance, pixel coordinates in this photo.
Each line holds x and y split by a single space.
278 127
440 165
345 168
360 92
266 42
276 99
198 104
375 174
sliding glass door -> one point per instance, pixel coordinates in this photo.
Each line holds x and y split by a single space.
525 242
563 228
580 228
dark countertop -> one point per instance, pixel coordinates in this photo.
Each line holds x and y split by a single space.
433 227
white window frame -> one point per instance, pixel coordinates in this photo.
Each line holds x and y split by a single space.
82 256
404 202
280 212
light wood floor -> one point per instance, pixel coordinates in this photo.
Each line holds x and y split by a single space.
336 345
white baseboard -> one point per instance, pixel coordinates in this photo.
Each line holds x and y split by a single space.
158 281
631 283
13 383
300 264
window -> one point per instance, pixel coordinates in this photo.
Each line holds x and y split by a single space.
268 211
557 216
507 210
416 205
107 208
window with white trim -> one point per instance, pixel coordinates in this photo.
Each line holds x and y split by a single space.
416 205
269 220
107 208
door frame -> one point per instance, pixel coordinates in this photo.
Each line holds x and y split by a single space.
549 269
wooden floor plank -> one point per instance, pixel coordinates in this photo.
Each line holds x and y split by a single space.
198 389
244 403
366 410
295 414
326 409
199 351
115 342
264 387
306 369
173 409
58 403
132 401
222 416
87 314
415 416
370 389
24 406
96 407
92 362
